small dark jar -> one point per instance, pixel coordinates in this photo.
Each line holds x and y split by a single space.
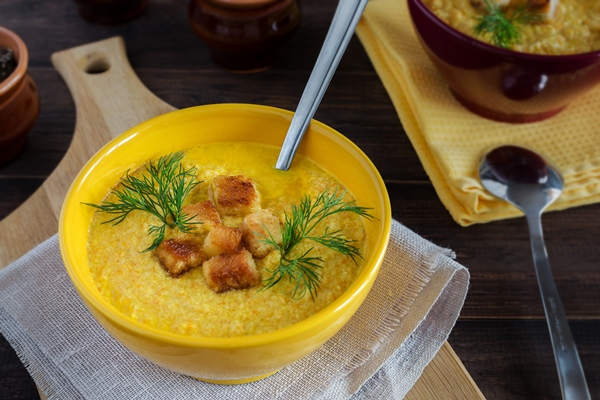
111 12
19 99
244 36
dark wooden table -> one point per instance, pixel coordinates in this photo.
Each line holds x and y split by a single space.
501 336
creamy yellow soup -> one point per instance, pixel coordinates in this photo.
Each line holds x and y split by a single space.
137 285
575 27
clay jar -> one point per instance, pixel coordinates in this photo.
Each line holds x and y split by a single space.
109 12
19 100
244 36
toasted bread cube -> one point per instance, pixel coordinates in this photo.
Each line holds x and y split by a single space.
257 227
234 195
222 239
179 255
229 271
205 213
545 8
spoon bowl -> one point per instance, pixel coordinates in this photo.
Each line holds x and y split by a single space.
527 181
521 177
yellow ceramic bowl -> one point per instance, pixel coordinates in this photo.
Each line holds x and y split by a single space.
222 360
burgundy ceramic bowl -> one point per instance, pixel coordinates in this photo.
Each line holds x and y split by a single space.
501 84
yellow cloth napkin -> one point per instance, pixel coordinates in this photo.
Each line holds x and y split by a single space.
450 140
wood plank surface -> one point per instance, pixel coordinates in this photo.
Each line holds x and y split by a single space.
501 336
108 104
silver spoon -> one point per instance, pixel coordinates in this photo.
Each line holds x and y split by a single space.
345 19
527 181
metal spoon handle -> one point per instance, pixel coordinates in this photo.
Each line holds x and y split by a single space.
570 372
340 32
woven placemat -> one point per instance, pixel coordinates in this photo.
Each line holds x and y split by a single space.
380 353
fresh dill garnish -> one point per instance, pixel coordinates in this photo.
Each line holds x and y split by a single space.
504 26
160 192
300 267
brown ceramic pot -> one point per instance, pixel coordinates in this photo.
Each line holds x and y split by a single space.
244 35
19 100
109 12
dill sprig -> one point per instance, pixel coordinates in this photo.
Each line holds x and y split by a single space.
160 192
504 26
300 267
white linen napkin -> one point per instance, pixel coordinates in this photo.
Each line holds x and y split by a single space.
379 354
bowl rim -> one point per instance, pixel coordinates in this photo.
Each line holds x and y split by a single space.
22 57
499 51
363 281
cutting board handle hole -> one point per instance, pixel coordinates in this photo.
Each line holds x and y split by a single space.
94 63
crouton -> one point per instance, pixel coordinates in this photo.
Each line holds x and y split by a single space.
222 239
234 195
205 213
257 227
544 8
499 3
231 271
179 255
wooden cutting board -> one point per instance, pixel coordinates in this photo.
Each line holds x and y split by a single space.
110 99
